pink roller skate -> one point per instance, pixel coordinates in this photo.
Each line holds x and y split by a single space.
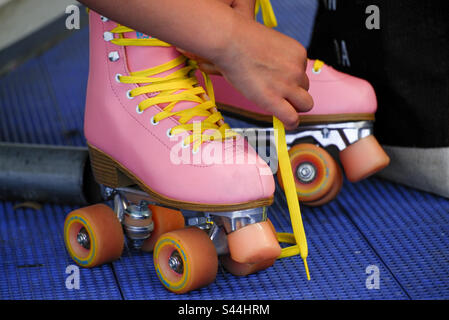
342 117
143 111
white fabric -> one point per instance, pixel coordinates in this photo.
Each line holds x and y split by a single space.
423 169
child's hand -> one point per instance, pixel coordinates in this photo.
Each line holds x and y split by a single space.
269 68
265 65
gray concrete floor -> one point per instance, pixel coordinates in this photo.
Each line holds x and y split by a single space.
20 18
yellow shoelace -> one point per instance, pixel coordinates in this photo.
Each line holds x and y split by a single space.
180 85
317 65
298 239
167 90
268 16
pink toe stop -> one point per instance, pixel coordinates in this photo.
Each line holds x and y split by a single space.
254 243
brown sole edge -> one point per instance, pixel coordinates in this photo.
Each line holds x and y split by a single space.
304 119
111 173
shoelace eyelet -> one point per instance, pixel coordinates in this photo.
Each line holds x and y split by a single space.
169 133
113 56
154 123
316 71
104 19
108 36
117 77
184 146
128 95
183 77
138 110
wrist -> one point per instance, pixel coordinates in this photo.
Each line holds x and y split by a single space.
237 39
223 47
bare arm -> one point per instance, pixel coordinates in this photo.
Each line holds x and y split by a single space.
184 23
265 65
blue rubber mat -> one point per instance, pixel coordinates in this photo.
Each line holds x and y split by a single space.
409 229
339 255
403 232
33 260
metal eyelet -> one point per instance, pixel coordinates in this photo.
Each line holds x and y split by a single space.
108 36
117 77
154 123
104 19
138 110
113 56
128 95
169 133
184 146
316 71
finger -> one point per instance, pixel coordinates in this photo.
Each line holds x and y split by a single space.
188 54
193 56
281 109
203 64
304 82
300 99
209 68
287 114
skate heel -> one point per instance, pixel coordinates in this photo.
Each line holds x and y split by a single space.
363 158
106 171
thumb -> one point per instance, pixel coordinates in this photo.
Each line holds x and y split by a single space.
188 54
208 68
203 64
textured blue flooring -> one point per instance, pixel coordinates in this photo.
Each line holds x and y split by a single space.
405 233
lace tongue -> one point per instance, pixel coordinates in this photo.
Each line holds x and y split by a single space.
145 57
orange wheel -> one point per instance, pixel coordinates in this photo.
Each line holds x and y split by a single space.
244 269
333 192
165 220
93 235
185 259
363 158
315 171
